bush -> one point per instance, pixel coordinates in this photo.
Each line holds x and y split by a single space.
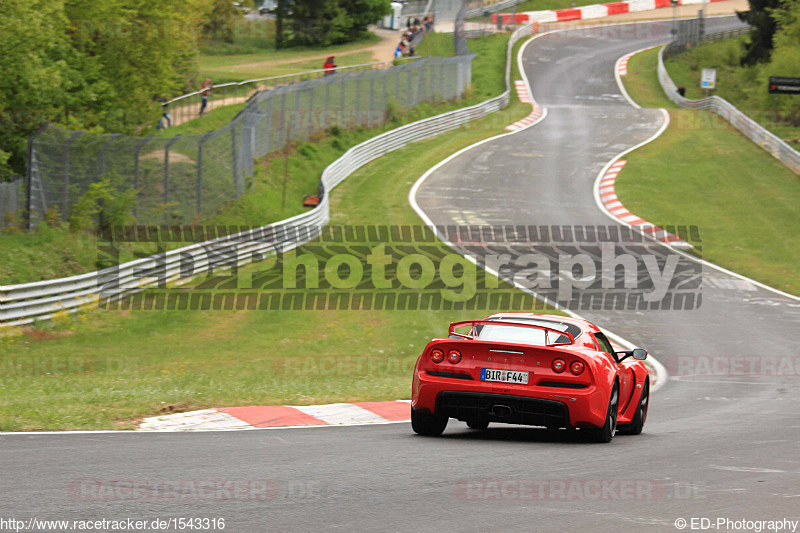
392 115
110 206
14 222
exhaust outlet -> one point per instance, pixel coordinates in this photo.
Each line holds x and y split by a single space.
501 411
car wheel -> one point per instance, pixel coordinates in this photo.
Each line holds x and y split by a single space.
427 424
477 424
606 433
637 424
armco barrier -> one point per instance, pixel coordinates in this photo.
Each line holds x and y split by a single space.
749 127
22 304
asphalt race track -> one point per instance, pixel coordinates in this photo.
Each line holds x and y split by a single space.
714 445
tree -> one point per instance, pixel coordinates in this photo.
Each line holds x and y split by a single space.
322 23
760 17
364 12
280 15
784 59
318 23
220 20
36 77
89 64
139 49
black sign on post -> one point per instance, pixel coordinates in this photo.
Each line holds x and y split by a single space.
783 85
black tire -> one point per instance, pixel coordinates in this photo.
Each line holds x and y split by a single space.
478 424
637 424
426 424
606 433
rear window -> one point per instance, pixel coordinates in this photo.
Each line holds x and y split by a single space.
536 337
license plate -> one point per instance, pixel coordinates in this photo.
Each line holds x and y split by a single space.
504 376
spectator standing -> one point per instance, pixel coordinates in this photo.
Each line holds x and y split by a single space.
205 91
164 113
329 66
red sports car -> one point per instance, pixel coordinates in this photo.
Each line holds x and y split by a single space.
535 370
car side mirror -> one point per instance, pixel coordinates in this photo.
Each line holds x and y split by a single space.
638 353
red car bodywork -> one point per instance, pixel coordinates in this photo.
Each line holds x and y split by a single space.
554 397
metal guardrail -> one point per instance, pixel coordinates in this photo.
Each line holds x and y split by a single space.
767 140
25 303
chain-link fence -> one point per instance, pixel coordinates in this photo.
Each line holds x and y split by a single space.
688 32
11 201
689 40
440 9
489 7
185 178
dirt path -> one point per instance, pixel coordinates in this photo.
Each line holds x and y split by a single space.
384 50
185 113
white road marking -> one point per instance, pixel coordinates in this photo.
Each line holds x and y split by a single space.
341 413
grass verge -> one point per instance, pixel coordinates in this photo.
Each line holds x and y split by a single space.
106 370
642 83
701 171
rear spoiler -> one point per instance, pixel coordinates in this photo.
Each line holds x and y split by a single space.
546 330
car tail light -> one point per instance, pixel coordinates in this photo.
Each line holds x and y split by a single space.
576 368
559 365
437 356
453 356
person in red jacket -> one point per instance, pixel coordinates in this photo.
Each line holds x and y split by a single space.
205 91
329 66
